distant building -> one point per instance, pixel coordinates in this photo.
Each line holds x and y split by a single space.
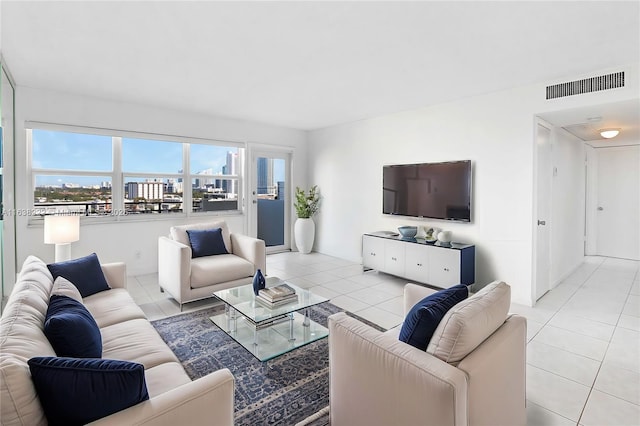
146 190
265 176
201 182
280 190
231 168
173 186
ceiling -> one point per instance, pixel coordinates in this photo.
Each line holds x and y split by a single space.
586 123
309 65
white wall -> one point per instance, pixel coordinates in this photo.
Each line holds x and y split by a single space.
495 131
122 241
568 204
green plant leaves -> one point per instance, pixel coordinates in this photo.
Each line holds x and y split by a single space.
307 205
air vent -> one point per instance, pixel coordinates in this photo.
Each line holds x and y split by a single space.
587 85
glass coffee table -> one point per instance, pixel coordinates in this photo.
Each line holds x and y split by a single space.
268 332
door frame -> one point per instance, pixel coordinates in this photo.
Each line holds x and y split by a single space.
255 150
9 266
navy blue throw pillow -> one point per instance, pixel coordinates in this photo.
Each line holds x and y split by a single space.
71 329
84 272
423 319
78 391
206 242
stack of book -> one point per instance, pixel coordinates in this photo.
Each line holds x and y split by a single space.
278 295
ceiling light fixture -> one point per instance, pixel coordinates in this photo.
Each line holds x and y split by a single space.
609 133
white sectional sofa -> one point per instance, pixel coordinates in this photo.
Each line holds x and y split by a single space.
126 335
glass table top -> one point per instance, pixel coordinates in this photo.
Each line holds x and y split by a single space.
268 332
243 300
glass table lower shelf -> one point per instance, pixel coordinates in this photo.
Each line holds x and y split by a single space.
274 338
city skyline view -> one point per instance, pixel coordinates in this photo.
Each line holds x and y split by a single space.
71 152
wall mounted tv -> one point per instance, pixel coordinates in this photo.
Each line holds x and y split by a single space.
428 190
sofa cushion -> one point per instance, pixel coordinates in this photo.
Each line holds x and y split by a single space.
206 242
71 329
64 287
112 307
78 391
423 318
85 273
470 322
179 233
135 340
206 271
164 377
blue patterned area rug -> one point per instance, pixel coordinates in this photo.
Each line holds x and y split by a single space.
282 391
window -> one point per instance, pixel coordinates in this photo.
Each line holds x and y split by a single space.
71 173
215 184
157 185
114 174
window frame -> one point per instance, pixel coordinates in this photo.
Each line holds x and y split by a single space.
118 176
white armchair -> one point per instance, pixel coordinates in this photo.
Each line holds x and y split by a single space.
375 379
188 279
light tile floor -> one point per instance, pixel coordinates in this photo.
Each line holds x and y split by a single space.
583 352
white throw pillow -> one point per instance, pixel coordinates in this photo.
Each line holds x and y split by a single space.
64 287
470 322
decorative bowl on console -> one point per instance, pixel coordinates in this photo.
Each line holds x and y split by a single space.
408 231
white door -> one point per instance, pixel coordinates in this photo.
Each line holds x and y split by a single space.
544 171
618 202
270 205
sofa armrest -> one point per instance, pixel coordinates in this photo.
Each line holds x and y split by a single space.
414 293
375 379
251 249
497 376
174 268
205 401
116 274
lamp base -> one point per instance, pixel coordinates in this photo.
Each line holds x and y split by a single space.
63 252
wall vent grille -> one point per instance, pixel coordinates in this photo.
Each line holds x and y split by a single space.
586 85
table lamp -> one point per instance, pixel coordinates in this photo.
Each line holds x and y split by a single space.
61 231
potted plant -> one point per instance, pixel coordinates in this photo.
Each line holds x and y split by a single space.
306 206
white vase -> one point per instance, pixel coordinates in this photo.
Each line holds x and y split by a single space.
444 236
304 232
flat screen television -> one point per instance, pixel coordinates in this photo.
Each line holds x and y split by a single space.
428 190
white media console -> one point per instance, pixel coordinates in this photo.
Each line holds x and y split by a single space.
440 265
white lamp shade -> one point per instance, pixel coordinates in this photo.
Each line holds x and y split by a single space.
61 229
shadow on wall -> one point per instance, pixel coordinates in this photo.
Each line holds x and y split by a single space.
485 270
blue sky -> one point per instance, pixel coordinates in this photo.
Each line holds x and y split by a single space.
74 151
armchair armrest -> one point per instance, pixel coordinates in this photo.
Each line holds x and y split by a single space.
414 293
251 249
205 401
375 379
174 267
116 274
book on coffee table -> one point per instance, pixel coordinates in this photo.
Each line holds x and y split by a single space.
281 302
278 295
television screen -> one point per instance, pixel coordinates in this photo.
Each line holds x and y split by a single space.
429 190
